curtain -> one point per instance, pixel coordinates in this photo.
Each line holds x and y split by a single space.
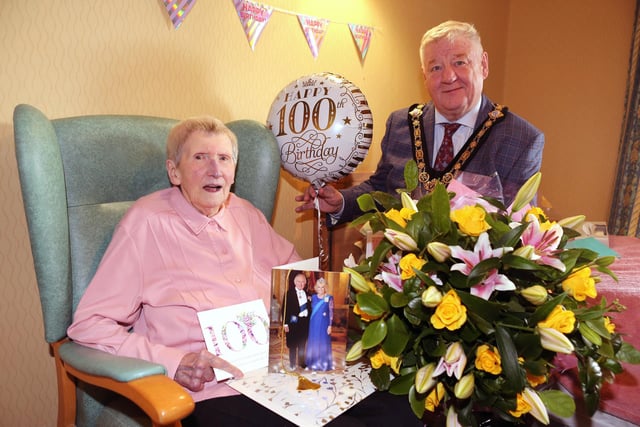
624 218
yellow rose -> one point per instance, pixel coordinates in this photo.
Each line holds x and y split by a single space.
560 319
470 219
450 313
611 327
408 263
406 213
396 216
434 398
580 284
522 407
539 213
382 358
488 359
533 380
543 220
536 380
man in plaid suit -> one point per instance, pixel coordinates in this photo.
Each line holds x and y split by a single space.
455 66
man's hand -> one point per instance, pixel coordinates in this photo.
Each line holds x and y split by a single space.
330 199
196 369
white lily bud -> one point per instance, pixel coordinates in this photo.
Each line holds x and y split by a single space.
464 388
431 297
554 340
538 410
358 282
526 192
408 202
572 221
424 378
536 294
452 418
355 352
439 251
526 251
401 240
366 228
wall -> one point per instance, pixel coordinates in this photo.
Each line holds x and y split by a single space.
567 73
78 57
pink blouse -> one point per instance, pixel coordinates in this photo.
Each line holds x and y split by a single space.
166 262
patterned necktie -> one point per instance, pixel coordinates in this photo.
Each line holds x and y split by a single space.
445 154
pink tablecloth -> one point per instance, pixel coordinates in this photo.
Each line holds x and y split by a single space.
621 398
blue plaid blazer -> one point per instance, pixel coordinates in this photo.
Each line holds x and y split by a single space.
512 152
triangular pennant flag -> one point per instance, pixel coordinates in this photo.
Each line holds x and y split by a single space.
314 30
254 18
178 10
362 37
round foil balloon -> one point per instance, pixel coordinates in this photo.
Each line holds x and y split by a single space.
323 125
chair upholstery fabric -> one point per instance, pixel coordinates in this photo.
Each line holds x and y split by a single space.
79 175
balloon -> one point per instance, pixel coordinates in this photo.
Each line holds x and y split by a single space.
323 126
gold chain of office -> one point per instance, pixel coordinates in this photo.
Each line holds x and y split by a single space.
423 176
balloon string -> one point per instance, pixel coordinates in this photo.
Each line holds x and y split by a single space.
322 254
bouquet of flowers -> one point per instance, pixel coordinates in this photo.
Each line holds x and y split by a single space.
465 303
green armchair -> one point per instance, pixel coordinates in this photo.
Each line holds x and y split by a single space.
78 176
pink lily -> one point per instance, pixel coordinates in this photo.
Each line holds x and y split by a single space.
481 251
544 242
389 273
453 362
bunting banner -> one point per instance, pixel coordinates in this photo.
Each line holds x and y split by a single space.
362 37
253 17
314 30
178 10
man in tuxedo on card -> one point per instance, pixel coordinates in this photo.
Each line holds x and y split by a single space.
297 310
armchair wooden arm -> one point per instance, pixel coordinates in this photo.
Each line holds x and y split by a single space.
161 398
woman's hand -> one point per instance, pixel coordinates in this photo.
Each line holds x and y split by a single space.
196 369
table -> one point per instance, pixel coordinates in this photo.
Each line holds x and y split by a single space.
620 401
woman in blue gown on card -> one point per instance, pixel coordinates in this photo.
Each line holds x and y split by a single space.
319 356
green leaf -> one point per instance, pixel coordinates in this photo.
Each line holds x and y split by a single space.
398 300
512 373
558 402
511 236
605 261
372 304
381 377
366 203
386 200
379 255
440 207
402 384
589 334
411 175
628 353
514 261
416 402
363 219
482 269
374 334
397 337
482 308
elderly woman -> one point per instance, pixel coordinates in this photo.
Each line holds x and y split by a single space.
189 248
